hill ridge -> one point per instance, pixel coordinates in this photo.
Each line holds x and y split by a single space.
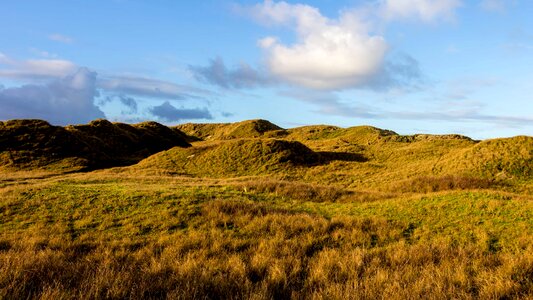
325 153
34 144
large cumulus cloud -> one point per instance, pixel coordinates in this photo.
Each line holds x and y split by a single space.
328 54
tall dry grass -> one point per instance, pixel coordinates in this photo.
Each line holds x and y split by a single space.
246 250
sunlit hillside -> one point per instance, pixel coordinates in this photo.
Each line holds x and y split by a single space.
250 210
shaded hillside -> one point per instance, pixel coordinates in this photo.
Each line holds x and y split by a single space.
233 158
225 131
31 144
126 144
36 144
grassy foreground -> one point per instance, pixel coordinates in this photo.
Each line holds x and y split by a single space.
101 235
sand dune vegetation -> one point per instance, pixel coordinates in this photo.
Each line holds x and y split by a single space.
250 210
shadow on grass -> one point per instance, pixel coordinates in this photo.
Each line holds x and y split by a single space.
342 156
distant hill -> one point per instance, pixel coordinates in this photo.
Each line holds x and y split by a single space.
508 157
225 131
355 156
233 157
32 144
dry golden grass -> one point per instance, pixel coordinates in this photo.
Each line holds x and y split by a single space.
317 212
99 235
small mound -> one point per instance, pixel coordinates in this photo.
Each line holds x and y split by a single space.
234 158
225 131
31 144
361 135
251 129
497 158
314 132
367 135
200 131
125 144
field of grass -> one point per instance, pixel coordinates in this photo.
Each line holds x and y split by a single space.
309 213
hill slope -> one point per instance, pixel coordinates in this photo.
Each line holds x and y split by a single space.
356 156
32 144
233 158
225 131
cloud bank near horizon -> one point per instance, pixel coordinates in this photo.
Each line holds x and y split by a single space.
63 93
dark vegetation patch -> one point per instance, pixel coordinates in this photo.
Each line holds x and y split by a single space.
327 156
29 144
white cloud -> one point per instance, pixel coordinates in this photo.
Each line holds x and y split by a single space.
36 69
425 10
61 38
328 54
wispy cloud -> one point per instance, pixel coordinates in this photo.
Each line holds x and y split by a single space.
148 87
495 5
56 37
242 76
43 53
128 102
425 10
462 88
63 93
459 116
168 113
35 68
453 110
329 103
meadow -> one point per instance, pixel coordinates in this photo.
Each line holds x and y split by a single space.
252 211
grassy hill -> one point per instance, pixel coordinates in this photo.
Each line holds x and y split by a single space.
499 158
35 144
253 211
232 158
244 129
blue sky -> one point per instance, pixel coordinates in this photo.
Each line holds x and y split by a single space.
412 66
